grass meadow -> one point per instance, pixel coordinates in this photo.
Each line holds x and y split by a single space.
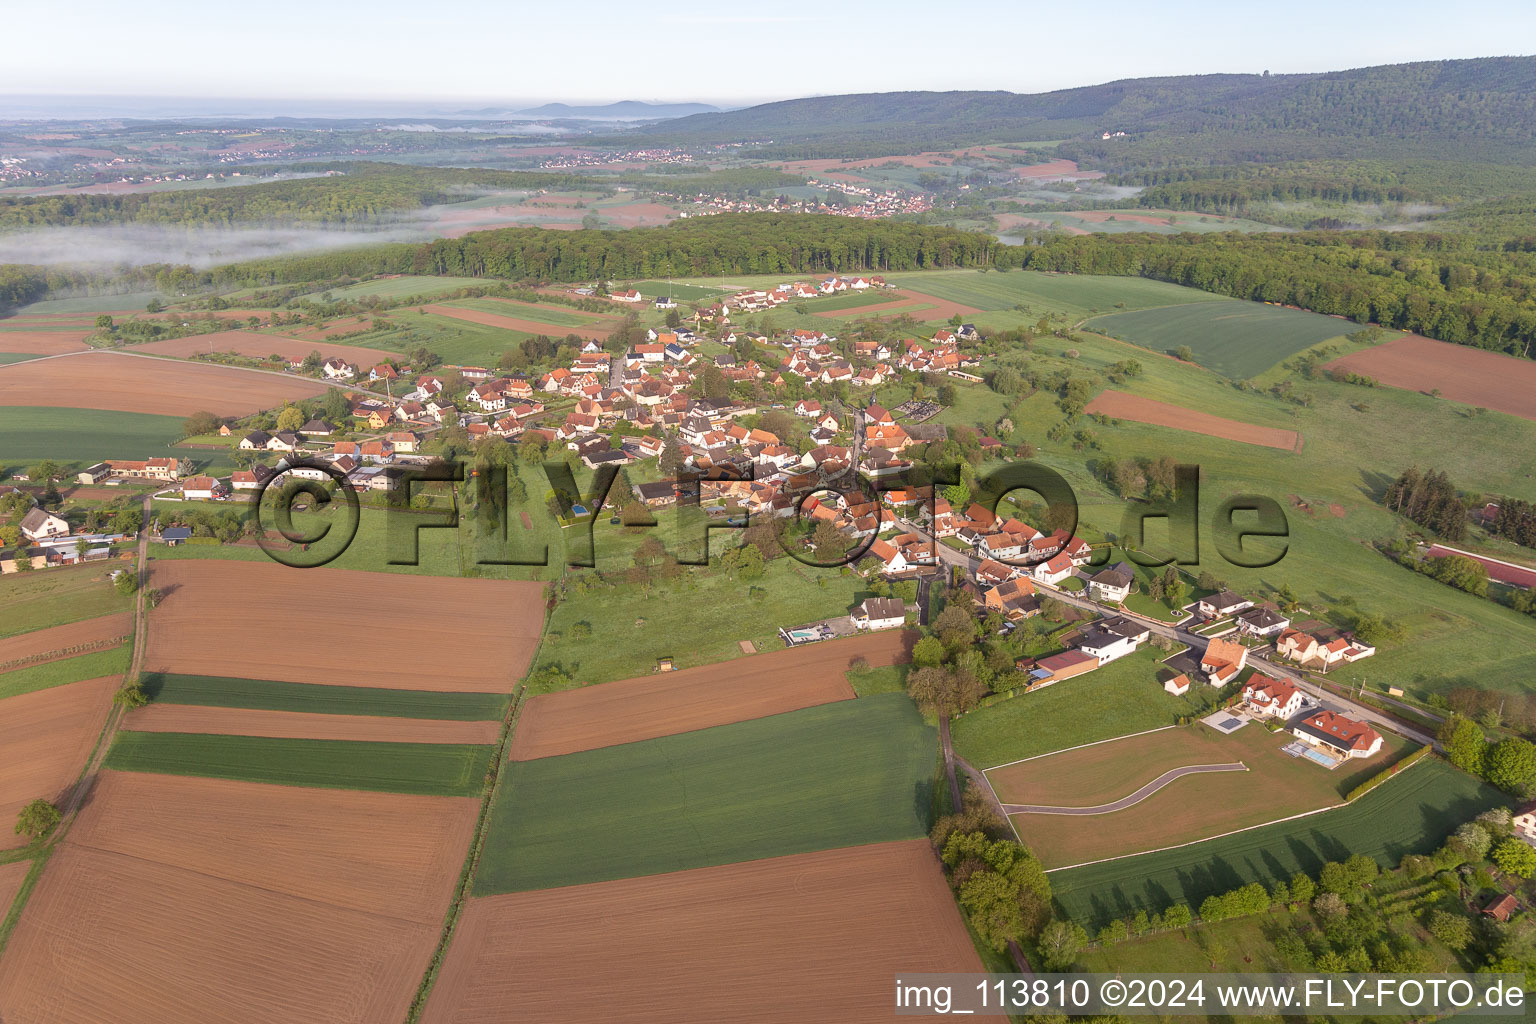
1412 813
85 436
53 597
432 769
1237 339
843 774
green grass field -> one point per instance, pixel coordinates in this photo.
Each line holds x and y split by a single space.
401 287
268 695
93 303
434 769
524 311
457 341
53 597
851 300
1121 698
682 292
82 435
842 774
1041 293
111 661
1410 814
1235 338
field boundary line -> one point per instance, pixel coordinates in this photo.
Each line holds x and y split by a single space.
1080 746
1207 839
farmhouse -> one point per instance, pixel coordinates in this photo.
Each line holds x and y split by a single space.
39 523
1013 599
1112 584
148 469
1272 698
878 613
1337 735
202 488
1223 660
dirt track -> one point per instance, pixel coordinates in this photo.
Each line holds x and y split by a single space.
45 739
697 698
1461 373
300 725
1122 406
811 937
126 383
31 648
344 627
259 346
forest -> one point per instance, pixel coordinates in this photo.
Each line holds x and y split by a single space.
349 193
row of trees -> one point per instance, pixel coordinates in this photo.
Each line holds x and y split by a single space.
1509 763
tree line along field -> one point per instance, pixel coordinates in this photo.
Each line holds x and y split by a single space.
1411 813
430 769
1236 338
313 698
830 776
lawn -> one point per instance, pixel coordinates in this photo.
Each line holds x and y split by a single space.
685 292
1235 338
268 695
842 774
53 597
85 436
697 620
1121 698
435 769
1276 785
110 662
1410 814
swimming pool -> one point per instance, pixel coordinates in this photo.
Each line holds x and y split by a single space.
802 635
1319 757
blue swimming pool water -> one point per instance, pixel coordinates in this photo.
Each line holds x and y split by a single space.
1319 757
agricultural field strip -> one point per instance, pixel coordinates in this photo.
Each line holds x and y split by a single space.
63 641
318 698
192 718
45 739
828 776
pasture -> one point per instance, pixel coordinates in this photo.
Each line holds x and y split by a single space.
82 435
666 703
681 292
836 775
1237 339
58 596
428 769
1121 698
1412 813
1276 785
1041 293
742 929
315 698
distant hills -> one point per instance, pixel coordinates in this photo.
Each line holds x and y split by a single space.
1431 108
626 110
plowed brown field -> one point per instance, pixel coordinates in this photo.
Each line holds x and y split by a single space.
812 937
45 739
344 627
1122 406
127 383
31 648
11 877
259 346
111 938
301 725
1492 380
43 343
476 316
698 698
384 853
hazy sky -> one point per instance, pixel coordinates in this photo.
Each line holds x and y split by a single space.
602 50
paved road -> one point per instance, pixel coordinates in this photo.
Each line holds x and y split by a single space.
1135 798
1329 700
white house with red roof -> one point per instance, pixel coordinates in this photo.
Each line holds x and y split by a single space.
1271 698
1337 735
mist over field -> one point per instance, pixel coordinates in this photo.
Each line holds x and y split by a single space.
137 244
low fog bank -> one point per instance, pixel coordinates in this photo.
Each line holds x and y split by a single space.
137 244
